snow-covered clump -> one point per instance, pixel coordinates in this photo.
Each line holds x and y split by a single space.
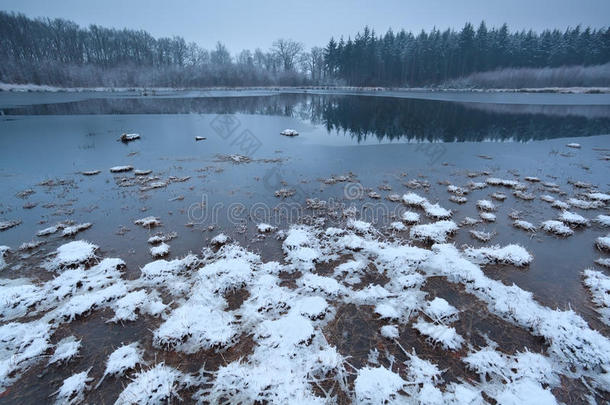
264 228
159 238
557 227
486 205
50 230
410 217
532 179
289 132
121 360
398 226
439 310
160 250
120 169
603 220
509 254
498 196
302 248
487 216
3 252
148 222
526 226
547 198
469 221
456 190
435 232
603 242
524 195
436 211
599 196
444 335
560 205
74 229
73 389
159 384
599 285
71 254
604 262
458 199
219 240
359 226
481 235
572 218
584 204
66 349
389 331
129 137
414 199
377 386
573 145
493 181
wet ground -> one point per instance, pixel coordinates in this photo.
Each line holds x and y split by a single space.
228 183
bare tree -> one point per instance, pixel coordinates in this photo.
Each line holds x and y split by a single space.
287 51
312 63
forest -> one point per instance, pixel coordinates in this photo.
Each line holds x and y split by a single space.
61 53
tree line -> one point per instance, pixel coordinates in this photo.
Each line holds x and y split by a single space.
433 57
60 52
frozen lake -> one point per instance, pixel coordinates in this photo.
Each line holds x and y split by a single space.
353 150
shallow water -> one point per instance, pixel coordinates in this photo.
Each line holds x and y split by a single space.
381 143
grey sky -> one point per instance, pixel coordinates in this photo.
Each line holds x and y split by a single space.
250 24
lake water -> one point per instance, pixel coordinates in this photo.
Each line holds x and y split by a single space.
381 142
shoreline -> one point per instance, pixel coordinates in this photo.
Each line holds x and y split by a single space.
31 88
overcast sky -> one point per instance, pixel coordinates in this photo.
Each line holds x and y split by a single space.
244 24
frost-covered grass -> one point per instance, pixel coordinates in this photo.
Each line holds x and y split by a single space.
510 254
603 242
434 232
599 285
556 227
290 359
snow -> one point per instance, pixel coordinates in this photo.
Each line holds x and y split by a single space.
435 211
585 205
486 205
50 230
603 220
526 226
599 196
66 349
377 385
487 216
129 137
289 132
603 242
120 169
571 218
604 262
481 235
264 228
160 250
159 238
435 232
458 199
444 335
599 285
414 199
73 389
389 331
410 217
74 229
573 145
560 205
359 226
556 227
148 222
498 196
219 239
3 252
398 226
71 254
439 310
125 358
159 384
509 254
